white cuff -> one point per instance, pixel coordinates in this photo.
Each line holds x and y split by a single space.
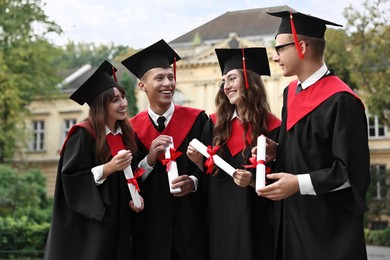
97 172
305 184
196 181
144 165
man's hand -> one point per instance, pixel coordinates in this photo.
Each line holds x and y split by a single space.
185 183
286 185
157 147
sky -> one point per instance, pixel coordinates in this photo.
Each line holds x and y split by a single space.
140 23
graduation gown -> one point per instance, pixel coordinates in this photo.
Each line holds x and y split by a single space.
324 134
89 221
240 226
169 222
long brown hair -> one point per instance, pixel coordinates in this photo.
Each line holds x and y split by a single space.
253 114
97 116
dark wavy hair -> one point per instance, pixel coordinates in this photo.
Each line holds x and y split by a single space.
97 116
253 113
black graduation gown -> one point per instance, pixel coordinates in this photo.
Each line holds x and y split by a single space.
329 141
169 222
240 222
89 221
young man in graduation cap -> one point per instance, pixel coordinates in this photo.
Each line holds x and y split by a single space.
91 212
172 224
322 160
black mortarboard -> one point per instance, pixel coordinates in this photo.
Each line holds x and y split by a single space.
304 24
100 81
157 55
254 59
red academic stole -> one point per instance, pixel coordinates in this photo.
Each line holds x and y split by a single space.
179 126
115 142
236 143
299 105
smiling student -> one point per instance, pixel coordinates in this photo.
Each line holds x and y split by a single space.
239 222
172 226
91 212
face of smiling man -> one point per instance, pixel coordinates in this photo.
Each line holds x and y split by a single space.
159 85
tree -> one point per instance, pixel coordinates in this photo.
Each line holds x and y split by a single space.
336 56
25 64
129 84
76 55
369 32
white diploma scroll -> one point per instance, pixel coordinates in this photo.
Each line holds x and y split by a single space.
200 147
133 191
172 172
260 167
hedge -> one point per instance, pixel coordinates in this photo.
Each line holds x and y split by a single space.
21 238
378 237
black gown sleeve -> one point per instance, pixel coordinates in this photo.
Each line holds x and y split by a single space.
80 190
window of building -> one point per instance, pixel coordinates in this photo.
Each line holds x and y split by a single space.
38 138
378 181
376 128
68 123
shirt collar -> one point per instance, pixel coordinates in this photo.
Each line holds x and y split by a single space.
117 131
168 114
315 77
235 115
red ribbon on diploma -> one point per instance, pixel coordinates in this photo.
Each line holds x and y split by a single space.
174 155
137 173
210 161
254 163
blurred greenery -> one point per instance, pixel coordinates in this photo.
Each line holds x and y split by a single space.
25 213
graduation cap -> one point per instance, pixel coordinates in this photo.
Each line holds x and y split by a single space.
254 59
157 55
100 81
298 23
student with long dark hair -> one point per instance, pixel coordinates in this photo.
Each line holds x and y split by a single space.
91 215
239 220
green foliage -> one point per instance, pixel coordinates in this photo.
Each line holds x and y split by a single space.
378 237
25 64
370 55
129 84
76 55
24 195
25 213
337 57
21 238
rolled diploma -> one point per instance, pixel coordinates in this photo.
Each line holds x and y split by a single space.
172 173
260 168
134 193
200 147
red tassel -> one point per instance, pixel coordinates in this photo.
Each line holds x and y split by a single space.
174 68
113 73
294 32
244 67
